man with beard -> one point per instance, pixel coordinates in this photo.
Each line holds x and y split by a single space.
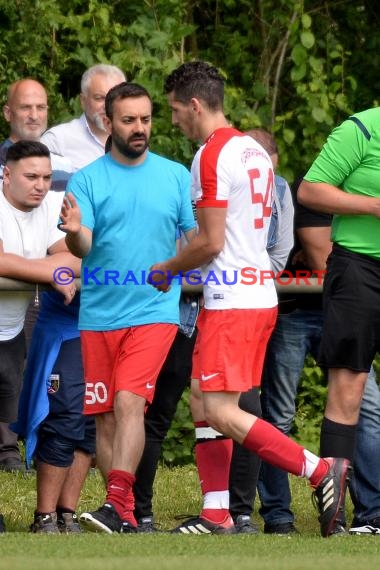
82 140
120 213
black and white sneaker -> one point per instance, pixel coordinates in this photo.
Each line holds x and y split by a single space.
244 525
45 523
329 496
369 527
200 525
128 528
68 523
105 519
147 525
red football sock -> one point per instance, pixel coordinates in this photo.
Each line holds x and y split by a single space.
129 508
213 454
319 473
276 448
119 483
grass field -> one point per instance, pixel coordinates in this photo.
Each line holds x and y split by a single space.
177 492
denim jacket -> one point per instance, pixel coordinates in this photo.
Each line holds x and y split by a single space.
188 313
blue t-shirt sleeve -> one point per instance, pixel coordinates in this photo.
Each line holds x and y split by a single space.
78 186
186 215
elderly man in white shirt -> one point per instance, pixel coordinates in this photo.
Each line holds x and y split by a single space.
82 140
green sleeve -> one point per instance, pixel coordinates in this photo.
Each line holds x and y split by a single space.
340 156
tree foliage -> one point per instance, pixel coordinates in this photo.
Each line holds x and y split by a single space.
296 67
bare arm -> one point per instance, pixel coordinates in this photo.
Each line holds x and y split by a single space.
332 200
43 270
36 270
316 246
206 244
190 235
78 238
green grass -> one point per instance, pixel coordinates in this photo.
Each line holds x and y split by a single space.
177 492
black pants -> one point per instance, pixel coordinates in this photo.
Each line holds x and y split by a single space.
171 382
245 465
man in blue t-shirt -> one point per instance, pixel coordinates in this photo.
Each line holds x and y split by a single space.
121 213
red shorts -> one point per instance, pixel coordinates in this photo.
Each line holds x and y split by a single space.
230 348
126 359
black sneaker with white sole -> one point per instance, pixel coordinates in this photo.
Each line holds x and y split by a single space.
366 528
105 520
329 496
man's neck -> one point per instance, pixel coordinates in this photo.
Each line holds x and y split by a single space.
125 160
212 123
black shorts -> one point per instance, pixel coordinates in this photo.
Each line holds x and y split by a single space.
351 303
12 356
66 396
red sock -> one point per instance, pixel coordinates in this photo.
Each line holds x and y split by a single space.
275 448
213 454
129 507
119 483
319 473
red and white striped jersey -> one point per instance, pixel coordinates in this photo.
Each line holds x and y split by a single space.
233 171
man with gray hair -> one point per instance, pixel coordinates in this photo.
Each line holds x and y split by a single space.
82 140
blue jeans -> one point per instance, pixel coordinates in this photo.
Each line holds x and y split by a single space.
296 335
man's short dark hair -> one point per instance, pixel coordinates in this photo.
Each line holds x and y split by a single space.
197 79
265 138
26 149
123 91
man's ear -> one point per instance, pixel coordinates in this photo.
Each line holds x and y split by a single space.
6 173
107 124
82 98
195 104
7 113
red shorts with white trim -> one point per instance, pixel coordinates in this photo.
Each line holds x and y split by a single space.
230 348
126 359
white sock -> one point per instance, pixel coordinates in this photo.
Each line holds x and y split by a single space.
311 463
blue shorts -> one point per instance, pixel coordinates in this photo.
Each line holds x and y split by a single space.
66 421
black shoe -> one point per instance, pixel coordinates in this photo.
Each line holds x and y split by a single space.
2 524
244 525
200 525
371 526
45 523
147 524
329 496
68 523
280 528
12 464
105 519
128 528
